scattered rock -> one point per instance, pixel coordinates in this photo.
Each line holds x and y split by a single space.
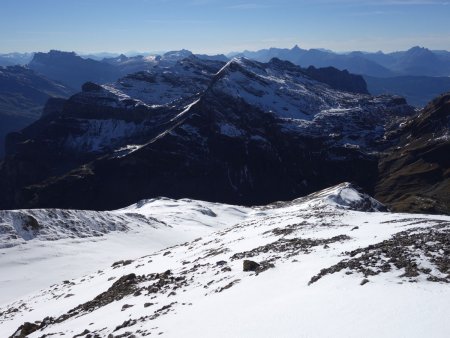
121 263
364 281
404 251
84 333
126 306
290 247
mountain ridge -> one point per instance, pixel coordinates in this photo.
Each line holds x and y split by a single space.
247 121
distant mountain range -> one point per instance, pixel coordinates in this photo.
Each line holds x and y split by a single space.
416 61
14 59
418 74
382 73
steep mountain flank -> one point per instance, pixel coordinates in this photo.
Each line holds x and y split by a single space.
415 174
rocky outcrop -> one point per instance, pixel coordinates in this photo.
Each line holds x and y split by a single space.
340 80
415 174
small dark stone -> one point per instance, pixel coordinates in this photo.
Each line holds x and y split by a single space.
84 333
250 265
148 304
126 306
221 263
364 281
122 263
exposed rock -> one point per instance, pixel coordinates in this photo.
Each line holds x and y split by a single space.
413 252
415 174
26 329
91 87
250 265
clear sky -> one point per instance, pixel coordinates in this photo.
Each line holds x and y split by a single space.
213 26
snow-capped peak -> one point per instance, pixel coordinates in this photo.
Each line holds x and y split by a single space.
348 196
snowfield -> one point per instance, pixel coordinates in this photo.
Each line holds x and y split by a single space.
332 264
41 247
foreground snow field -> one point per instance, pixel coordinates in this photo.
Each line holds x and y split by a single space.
41 247
332 264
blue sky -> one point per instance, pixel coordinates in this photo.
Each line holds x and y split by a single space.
213 26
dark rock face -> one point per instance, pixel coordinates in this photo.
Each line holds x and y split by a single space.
25 330
71 69
248 265
23 94
223 168
335 78
54 106
415 175
341 80
213 138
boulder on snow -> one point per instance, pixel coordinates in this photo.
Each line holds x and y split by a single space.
25 329
250 265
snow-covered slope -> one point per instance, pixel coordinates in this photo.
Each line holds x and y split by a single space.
326 265
42 246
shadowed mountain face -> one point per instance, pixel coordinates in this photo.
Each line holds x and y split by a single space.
72 69
415 175
242 132
23 94
417 90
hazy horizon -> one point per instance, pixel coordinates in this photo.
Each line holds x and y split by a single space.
212 26
226 53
